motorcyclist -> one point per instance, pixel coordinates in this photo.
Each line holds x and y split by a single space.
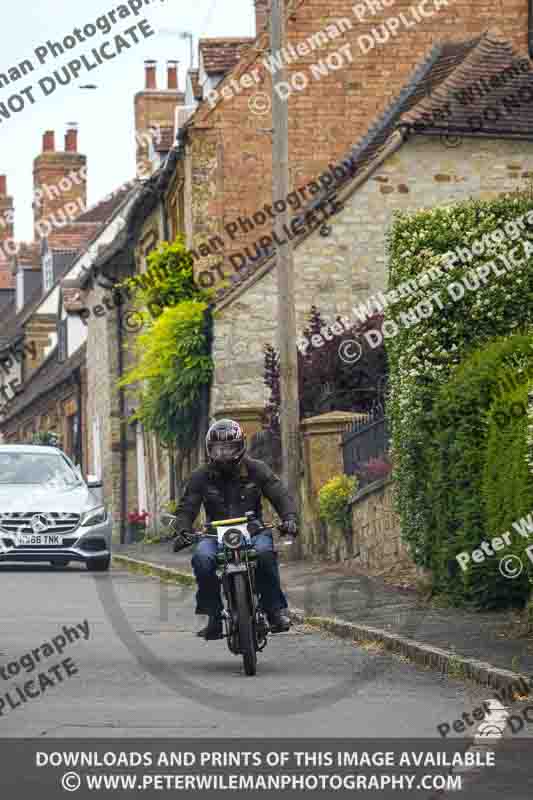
229 486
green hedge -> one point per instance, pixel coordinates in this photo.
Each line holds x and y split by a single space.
479 481
423 355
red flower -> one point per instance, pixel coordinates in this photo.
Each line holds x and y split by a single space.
138 517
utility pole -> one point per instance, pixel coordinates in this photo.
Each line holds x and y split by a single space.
289 410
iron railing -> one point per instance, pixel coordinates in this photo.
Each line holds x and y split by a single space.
366 441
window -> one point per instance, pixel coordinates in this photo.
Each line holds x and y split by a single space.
20 289
27 468
48 271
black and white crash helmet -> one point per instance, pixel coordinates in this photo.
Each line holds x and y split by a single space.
225 443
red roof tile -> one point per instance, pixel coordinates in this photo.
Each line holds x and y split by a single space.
221 55
104 209
490 91
73 236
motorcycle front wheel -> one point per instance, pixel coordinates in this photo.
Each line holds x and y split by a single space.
246 625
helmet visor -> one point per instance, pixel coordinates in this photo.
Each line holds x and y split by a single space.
225 452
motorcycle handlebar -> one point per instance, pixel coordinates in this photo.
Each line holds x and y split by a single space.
200 533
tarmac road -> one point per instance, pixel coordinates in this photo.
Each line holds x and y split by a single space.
143 672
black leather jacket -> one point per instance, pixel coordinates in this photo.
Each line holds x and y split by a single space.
229 495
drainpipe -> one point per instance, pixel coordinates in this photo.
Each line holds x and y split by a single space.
530 29
171 457
123 431
79 420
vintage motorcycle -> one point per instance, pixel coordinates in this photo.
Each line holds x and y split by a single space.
245 623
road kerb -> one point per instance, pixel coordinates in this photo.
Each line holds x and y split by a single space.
443 661
157 570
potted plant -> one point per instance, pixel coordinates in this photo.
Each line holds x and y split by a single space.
137 525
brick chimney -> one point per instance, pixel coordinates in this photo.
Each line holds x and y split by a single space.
172 75
71 140
262 15
59 182
6 211
150 74
154 109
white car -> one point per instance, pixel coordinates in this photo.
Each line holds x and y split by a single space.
48 511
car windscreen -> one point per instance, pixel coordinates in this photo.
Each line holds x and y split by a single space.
36 468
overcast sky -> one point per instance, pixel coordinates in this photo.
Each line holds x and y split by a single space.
105 115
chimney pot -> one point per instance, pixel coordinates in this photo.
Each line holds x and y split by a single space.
71 139
49 142
3 185
262 15
172 75
150 74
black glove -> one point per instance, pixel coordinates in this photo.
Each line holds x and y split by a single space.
290 527
182 539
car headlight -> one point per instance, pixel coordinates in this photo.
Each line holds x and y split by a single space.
96 516
233 538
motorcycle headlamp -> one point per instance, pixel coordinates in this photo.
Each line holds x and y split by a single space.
233 538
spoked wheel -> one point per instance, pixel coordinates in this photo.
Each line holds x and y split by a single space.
246 625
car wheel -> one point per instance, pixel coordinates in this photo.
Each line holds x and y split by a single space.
99 564
60 562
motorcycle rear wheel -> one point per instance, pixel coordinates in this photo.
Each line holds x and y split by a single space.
246 625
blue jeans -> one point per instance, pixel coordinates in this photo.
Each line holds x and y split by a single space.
208 599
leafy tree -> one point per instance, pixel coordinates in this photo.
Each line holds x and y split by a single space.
174 366
327 381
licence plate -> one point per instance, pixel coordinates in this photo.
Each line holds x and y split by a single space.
38 539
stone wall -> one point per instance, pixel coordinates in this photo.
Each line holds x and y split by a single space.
376 531
424 173
337 272
103 403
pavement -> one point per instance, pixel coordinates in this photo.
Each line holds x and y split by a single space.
478 645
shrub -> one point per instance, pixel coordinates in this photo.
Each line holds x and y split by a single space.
508 497
422 356
333 500
463 465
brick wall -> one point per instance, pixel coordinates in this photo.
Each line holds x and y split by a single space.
63 172
332 114
155 108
